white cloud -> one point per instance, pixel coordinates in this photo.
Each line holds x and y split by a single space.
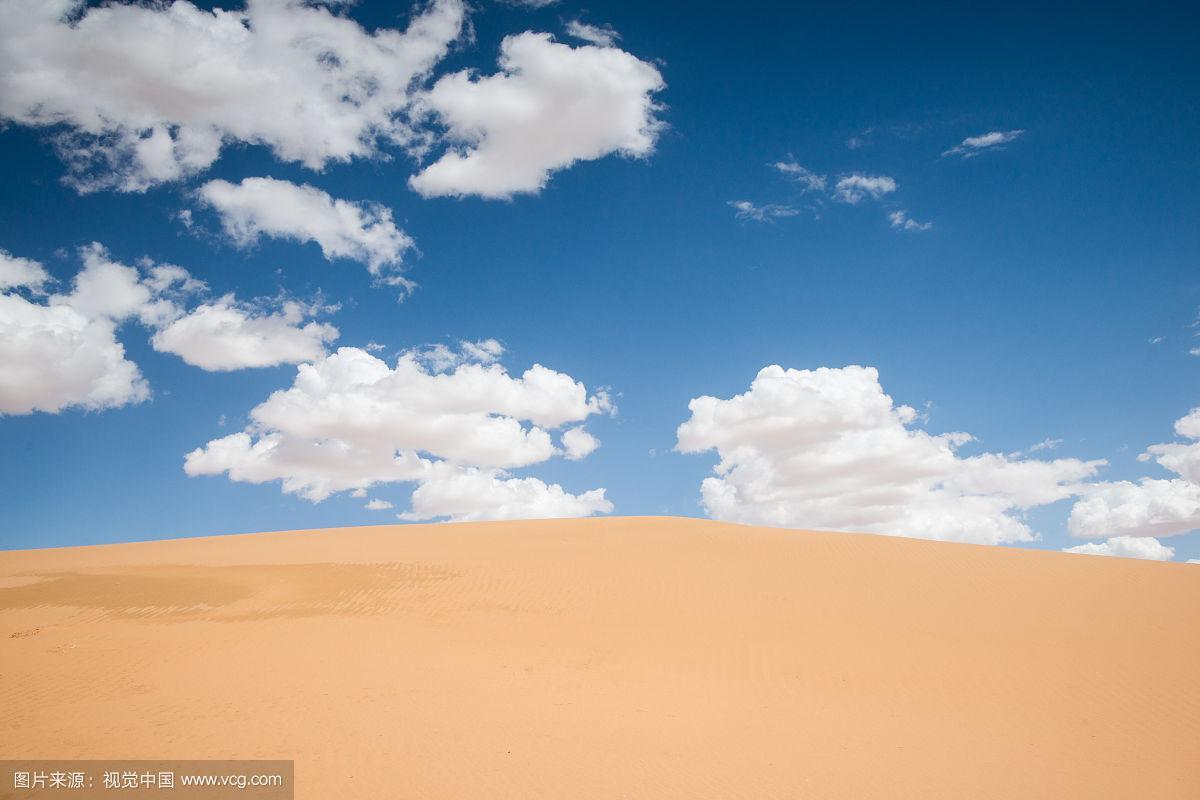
550 106
1151 507
53 357
1188 426
227 335
599 35
151 92
1046 444
472 495
744 209
361 231
901 221
441 357
376 504
63 352
578 443
137 94
105 288
22 273
808 180
974 145
484 351
828 449
853 188
1126 547
349 422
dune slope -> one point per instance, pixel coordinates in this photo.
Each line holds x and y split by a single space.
608 658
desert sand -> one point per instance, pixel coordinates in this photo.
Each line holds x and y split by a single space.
612 658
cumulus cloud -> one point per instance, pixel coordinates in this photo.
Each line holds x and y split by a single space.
854 187
901 221
54 357
1152 506
148 93
1143 547
350 421
806 179
974 145
63 352
375 504
578 443
550 106
828 449
361 231
744 209
472 495
226 334
22 273
138 94
599 35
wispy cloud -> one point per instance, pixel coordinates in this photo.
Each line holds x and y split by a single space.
851 189
1042 446
744 209
808 180
854 187
974 145
901 221
600 35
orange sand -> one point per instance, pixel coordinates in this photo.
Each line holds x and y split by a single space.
612 658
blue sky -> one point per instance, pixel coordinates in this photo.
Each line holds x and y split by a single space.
1054 296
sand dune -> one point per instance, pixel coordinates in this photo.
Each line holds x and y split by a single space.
611 658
